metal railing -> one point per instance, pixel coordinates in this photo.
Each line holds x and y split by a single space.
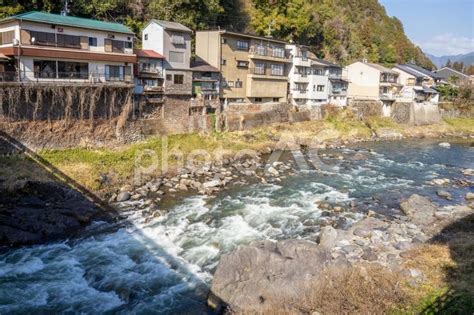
269 52
70 76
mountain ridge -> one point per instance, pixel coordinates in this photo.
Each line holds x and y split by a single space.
440 61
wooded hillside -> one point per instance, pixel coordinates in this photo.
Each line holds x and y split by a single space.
338 30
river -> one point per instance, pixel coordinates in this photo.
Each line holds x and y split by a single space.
165 265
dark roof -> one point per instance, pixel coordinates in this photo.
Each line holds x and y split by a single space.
175 26
202 66
271 39
424 71
148 53
410 71
50 18
442 72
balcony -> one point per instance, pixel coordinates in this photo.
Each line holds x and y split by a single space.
63 77
270 54
150 72
259 73
301 61
151 89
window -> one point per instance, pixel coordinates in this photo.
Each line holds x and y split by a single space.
116 46
169 77
223 62
92 41
146 36
128 45
177 39
258 100
44 68
314 88
276 99
304 54
238 84
259 68
113 73
242 45
178 79
76 70
176 57
42 38
261 50
68 41
320 88
230 83
242 64
7 37
278 52
277 69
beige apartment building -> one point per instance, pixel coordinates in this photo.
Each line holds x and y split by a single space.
254 69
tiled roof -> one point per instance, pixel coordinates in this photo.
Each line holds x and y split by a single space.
50 18
422 70
175 26
409 70
202 66
148 53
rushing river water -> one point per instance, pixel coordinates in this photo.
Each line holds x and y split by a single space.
165 265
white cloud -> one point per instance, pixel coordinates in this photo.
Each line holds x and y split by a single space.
448 44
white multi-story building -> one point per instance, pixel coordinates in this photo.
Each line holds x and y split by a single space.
40 46
313 81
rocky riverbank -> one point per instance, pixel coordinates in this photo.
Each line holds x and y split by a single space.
39 212
266 276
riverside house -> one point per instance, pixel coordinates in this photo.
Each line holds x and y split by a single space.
314 81
454 77
369 81
417 85
45 47
149 76
254 69
172 40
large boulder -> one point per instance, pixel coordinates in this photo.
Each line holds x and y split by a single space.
420 210
256 277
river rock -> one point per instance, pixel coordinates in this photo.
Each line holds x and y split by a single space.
444 194
123 196
445 145
327 237
420 210
273 171
253 278
469 196
387 133
211 184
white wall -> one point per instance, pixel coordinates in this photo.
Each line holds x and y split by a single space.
403 76
155 38
364 81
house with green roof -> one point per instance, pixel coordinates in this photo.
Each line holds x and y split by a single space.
45 47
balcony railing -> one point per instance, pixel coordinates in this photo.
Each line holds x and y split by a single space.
62 77
269 52
266 72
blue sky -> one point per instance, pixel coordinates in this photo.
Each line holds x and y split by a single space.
439 27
